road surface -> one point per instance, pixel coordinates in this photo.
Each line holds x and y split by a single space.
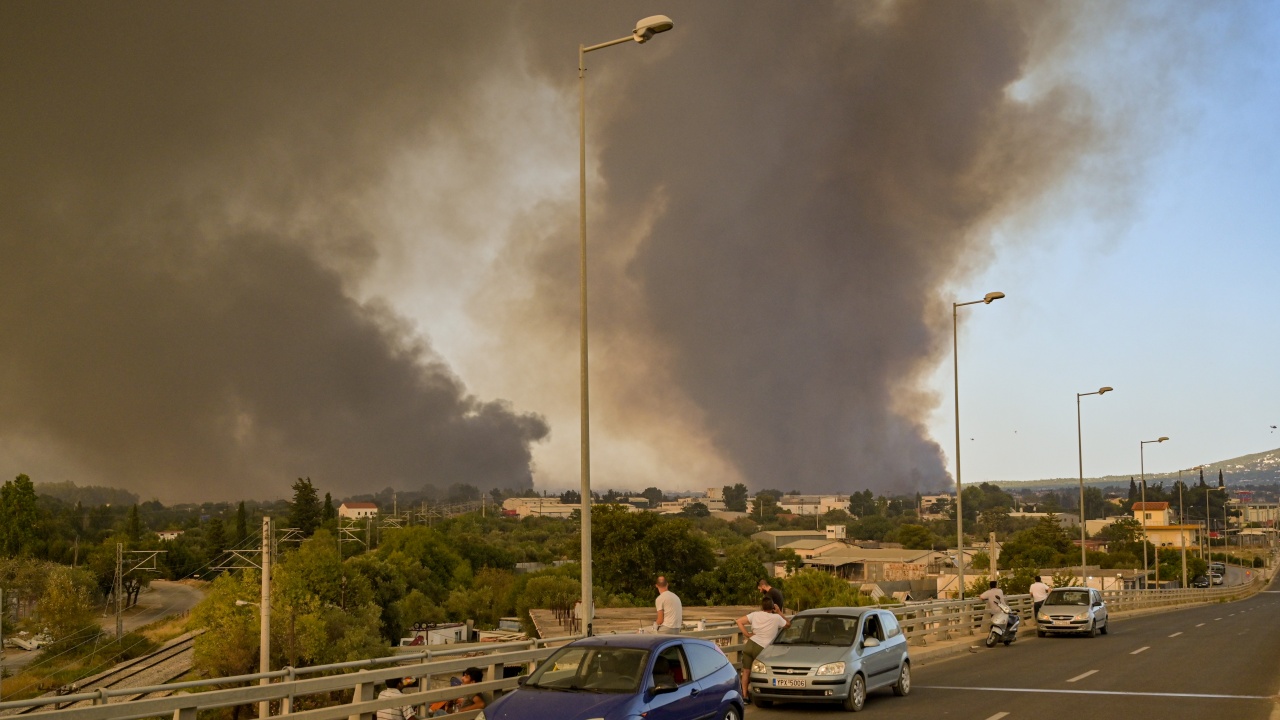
162 599
1213 661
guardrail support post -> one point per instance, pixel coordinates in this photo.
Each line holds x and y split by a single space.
363 693
184 714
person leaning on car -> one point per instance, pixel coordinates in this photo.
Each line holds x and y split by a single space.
765 623
1039 591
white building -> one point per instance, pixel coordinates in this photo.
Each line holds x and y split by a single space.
358 510
812 504
169 534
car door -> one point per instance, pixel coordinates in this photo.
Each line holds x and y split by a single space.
877 661
713 685
1099 610
670 665
895 641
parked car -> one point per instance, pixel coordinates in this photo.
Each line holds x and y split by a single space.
1200 581
1215 578
1218 567
621 677
1077 610
834 654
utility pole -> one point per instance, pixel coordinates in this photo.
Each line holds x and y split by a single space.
1 643
118 588
991 555
264 612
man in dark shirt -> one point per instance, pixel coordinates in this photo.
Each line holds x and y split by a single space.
771 592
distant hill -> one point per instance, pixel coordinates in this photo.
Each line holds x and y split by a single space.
89 495
1261 468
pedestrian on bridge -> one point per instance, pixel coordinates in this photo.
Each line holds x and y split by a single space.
772 593
1039 591
393 689
765 623
670 611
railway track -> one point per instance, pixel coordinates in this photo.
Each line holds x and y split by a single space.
171 661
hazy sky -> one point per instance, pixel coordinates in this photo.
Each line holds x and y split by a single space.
246 242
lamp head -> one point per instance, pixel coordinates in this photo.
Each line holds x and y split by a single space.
650 26
1105 390
992 297
1162 439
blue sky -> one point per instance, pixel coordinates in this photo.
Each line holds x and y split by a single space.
1171 299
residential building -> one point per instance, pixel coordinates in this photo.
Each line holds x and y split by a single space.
862 565
1157 521
776 539
357 510
170 534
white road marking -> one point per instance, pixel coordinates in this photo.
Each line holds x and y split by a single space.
1082 676
1217 619
1200 625
1176 634
1099 692
998 715
1141 649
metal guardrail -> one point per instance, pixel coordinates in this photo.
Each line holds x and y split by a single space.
921 623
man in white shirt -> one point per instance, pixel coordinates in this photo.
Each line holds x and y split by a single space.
1039 591
670 612
765 623
394 689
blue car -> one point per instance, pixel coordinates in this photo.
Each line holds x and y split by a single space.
623 677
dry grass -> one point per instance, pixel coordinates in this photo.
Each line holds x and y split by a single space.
165 629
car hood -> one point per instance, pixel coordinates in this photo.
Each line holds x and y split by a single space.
803 654
533 703
1064 609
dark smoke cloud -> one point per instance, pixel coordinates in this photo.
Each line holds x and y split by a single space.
826 169
180 229
185 194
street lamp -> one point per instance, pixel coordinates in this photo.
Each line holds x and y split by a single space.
1080 453
645 29
1142 468
955 358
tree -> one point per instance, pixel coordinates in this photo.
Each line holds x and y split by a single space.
653 495
811 588
19 520
66 608
733 580
571 497
304 511
995 519
632 549
696 510
735 498
230 645
241 530
764 507
915 537
133 526
215 538
329 512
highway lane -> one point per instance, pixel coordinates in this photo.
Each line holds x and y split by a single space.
1214 661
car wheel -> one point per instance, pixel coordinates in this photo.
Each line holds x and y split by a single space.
1093 630
1041 633
762 703
903 686
1106 626
731 713
857 694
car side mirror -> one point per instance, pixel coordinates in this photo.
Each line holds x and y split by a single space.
870 643
665 686
1098 604
520 680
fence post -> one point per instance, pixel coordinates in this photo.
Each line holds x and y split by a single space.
187 713
286 705
363 693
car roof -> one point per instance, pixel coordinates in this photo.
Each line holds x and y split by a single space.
1071 587
843 611
643 642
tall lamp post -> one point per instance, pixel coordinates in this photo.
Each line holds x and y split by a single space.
1142 467
645 29
1080 454
955 357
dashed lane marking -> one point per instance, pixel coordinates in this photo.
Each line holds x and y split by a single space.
1176 634
1082 676
1064 691
998 715
1217 619
1141 649
1200 625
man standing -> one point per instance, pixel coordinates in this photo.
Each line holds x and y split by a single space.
670 612
772 593
994 597
1039 591
766 623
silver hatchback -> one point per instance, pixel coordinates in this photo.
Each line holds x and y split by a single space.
1073 610
834 654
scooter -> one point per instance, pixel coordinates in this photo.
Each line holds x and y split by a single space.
1004 626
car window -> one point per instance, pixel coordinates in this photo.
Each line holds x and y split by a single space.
592 669
1067 597
872 627
820 630
670 666
704 659
891 627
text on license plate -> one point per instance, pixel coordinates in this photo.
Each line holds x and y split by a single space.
788 683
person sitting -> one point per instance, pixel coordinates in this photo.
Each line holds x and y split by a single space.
662 672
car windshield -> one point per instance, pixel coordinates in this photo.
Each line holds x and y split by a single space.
591 668
1068 597
820 630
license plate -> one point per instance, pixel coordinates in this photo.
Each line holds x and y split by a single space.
788 683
